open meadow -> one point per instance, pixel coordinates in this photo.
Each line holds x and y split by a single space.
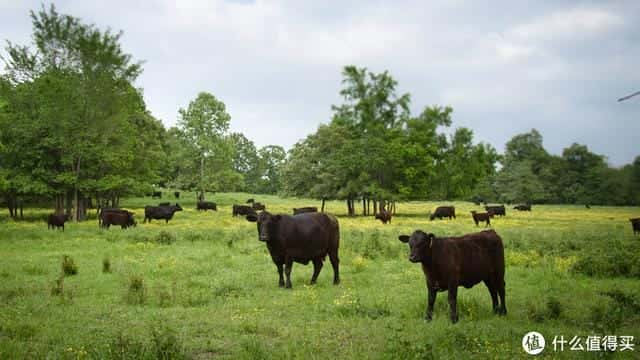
203 286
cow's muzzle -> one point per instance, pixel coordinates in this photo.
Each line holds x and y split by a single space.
414 259
263 238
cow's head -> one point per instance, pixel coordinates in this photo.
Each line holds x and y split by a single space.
266 224
420 244
177 207
432 216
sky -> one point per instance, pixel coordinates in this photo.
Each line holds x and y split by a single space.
505 67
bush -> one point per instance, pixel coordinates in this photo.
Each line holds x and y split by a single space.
165 238
106 265
137 292
68 266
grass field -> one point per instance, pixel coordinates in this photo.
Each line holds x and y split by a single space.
203 286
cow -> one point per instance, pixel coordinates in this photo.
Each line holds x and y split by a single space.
443 211
258 206
384 216
302 210
57 221
496 210
635 225
301 238
156 194
206 205
523 207
160 212
477 217
477 200
450 262
176 194
249 201
128 214
164 204
587 206
122 218
242 210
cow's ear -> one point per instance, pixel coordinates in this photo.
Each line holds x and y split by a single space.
430 238
403 238
252 218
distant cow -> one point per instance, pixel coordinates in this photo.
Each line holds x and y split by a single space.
523 207
477 217
300 238
477 200
206 205
303 210
258 206
587 206
450 262
156 194
242 210
117 220
176 194
123 218
160 212
57 221
164 204
496 210
384 216
635 225
444 211
249 201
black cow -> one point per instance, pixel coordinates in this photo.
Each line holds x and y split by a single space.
587 206
128 215
258 206
243 210
496 210
477 217
450 262
635 225
477 200
160 212
176 194
384 216
252 200
206 205
444 211
300 238
302 210
57 221
523 207
122 218
156 194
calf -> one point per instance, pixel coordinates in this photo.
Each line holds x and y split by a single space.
443 211
496 210
301 238
242 210
303 210
450 262
477 217
160 212
57 221
523 207
384 216
635 225
206 205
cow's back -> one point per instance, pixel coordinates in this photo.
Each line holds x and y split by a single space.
309 235
475 257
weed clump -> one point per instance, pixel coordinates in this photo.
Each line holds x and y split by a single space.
69 267
106 265
165 238
136 292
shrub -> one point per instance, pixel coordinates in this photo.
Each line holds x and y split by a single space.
68 266
106 265
165 238
137 292
57 287
166 345
554 308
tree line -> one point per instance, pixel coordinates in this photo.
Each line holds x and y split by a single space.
75 132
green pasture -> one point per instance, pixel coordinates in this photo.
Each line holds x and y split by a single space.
203 286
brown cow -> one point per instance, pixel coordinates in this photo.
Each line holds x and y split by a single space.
384 216
56 221
477 217
443 211
303 210
450 262
635 225
124 219
300 238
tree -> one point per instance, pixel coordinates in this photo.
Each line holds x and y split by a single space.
205 123
272 158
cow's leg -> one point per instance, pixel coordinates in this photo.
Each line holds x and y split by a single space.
453 306
335 264
317 266
431 296
287 272
281 278
494 295
503 307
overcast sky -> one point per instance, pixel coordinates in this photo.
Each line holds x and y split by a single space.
504 66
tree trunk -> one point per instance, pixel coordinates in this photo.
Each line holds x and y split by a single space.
364 206
323 200
202 178
68 205
375 206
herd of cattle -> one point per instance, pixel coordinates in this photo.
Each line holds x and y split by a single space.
311 236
